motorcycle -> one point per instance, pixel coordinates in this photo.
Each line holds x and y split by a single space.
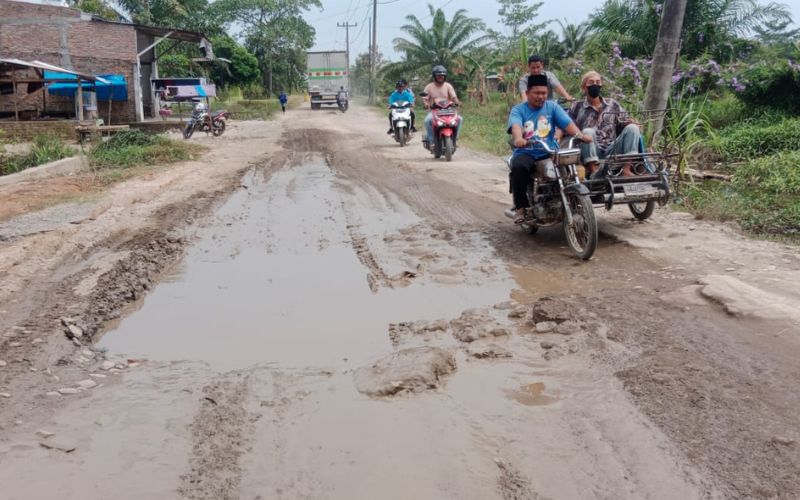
342 103
401 121
445 129
208 123
560 198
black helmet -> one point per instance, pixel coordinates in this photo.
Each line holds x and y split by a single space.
439 70
401 82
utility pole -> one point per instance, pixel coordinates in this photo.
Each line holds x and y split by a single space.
369 53
374 51
347 27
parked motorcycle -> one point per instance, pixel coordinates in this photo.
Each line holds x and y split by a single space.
445 129
561 198
401 121
201 119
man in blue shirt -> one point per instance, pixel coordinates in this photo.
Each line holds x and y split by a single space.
540 117
401 94
283 100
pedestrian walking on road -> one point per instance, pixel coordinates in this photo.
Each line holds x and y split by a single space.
283 99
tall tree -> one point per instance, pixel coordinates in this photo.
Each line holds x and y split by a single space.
710 26
574 37
275 32
440 43
665 56
242 67
518 16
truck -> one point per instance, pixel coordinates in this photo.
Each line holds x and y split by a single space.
327 72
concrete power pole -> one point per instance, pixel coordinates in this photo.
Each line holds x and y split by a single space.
347 27
374 52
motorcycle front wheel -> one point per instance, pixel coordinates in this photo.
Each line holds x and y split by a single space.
218 128
449 148
188 131
582 234
402 136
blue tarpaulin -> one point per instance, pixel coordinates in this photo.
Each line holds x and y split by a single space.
107 87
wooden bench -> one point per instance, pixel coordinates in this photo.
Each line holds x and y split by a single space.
92 131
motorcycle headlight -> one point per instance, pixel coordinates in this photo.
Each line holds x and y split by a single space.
439 123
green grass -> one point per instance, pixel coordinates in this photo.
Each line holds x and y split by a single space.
484 127
763 197
131 148
248 109
757 137
45 149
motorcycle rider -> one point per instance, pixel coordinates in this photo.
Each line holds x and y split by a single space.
535 116
439 88
341 97
536 67
401 93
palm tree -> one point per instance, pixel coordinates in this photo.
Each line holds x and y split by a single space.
574 37
631 23
548 46
709 25
441 43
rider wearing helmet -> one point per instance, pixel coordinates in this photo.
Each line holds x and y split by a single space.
402 94
438 89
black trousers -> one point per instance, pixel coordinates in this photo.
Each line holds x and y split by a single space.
522 166
413 117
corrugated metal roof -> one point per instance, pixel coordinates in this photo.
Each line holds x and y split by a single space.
20 64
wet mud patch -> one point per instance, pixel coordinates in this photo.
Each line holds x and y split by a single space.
408 370
220 435
532 395
277 275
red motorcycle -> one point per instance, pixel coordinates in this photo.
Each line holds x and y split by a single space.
445 129
208 123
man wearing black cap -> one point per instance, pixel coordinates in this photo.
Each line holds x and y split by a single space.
540 117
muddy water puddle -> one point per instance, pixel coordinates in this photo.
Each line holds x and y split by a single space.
274 278
532 395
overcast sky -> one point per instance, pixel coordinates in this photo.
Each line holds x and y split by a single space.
392 15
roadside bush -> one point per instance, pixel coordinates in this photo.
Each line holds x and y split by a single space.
725 111
45 148
484 126
133 147
764 196
752 139
254 91
776 85
777 175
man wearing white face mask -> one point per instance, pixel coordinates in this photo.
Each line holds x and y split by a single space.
600 118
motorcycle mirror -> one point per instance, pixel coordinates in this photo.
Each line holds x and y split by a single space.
423 94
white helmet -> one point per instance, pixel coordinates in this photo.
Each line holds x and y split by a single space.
200 107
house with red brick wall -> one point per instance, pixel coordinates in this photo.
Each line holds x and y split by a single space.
84 43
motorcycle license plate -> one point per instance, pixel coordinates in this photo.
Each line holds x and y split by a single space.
639 189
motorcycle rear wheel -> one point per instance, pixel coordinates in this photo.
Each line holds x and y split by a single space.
582 235
642 211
